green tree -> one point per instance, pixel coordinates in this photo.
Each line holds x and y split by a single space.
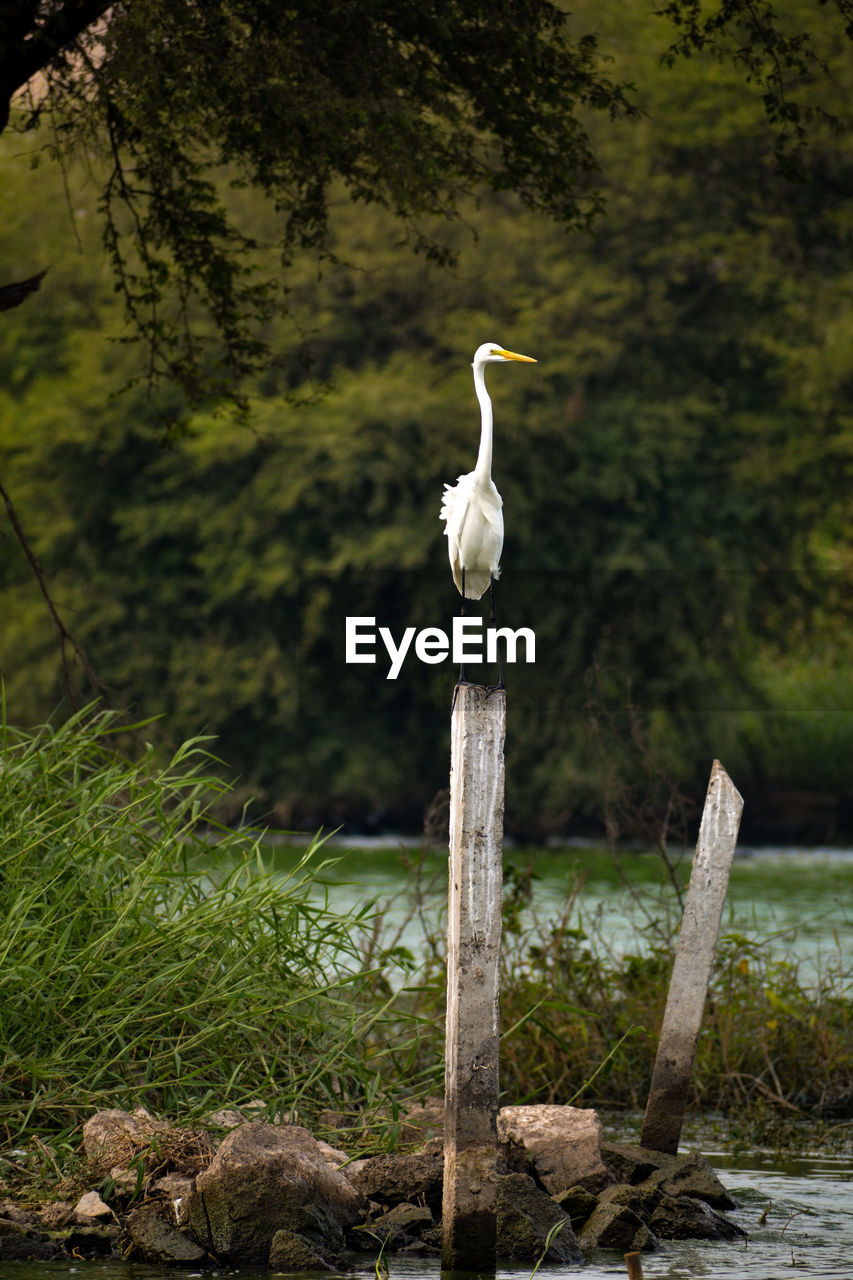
407 106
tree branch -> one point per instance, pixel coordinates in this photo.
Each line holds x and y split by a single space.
12 295
65 636
29 45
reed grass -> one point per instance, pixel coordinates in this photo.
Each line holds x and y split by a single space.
129 974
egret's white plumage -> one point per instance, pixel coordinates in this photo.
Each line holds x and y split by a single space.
472 508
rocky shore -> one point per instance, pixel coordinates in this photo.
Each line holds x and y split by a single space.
273 1195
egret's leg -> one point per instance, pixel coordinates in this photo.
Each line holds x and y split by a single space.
500 684
462 679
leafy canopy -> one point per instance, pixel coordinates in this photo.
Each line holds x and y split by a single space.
409 106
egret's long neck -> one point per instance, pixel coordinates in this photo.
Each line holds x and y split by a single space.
483 470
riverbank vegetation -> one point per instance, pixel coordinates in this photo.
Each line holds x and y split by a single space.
129 975
685 433
132 973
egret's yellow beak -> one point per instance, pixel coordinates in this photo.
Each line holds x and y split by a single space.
512 355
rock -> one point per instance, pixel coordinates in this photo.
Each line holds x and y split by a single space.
90 1208
95 1241
615 1223
578 1203
290 1252
113 1138
628 1217
227 1119
402 1225
628 1162
126 1145
401 1179
332 1155
265 1178
127 1183
691 1175
562 1144
643 1200
173 1186
12 1212
158 1241
686 1218
20 1242
525 1216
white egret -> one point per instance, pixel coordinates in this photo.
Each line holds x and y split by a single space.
472 508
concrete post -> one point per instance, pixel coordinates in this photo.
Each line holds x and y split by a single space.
478 728
694 957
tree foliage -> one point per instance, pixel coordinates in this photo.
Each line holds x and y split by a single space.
411 107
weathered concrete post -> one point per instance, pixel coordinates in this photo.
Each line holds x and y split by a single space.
478 729
694 957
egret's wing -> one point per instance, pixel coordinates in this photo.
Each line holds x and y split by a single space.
454 509
463 500
491 505
454 506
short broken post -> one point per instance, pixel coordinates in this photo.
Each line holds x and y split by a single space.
469 1208
634 1264
694 956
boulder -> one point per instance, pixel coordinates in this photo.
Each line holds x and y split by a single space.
90 1209
267 1178
525 1217
159 1241
21 1242
133 1147
578 1203
401 1179
401 1225
628 1162
292 1253
688 1175
686 1218
114 1138
691 1175
560 1145
615 1226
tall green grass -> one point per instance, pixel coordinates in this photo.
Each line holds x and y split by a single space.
128 975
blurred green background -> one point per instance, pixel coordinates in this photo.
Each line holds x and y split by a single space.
676 473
